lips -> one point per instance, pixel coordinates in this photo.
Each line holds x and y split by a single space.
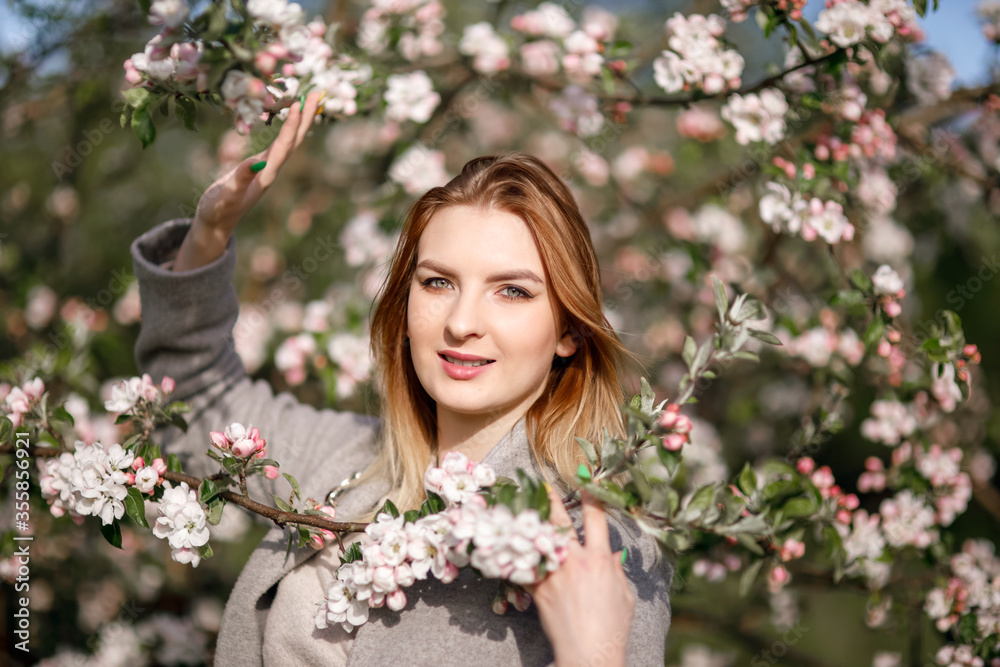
462 357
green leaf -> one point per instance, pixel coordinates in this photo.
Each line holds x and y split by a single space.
61 414
749 576
176 419
121 419
173 463
847 297
282 505
133 440
207 491
205 551
749 543
583 473
186 112
389 509
764 336
799 507
232 465
747 481
700 501
6 430
409 516
874 332
295 484
669 459
142 127
352 553
112 532
138 98
135 506
721 301
690 348
647 395
861 281
588 450
215 510
746 355
752 309
921 7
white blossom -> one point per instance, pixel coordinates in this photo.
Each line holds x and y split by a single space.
182 522
410 97
757 117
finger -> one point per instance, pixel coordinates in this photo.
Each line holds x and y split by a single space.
595 524
558 516
308 115
279 149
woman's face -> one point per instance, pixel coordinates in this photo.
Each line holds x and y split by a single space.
480 291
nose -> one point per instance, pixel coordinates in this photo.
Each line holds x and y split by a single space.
465 317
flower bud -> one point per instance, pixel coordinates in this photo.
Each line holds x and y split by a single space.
673 442
270 472
235 431
159 466
243 447
137 463
805 465
167 385
219 439
396 600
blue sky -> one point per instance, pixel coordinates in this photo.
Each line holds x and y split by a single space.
952 29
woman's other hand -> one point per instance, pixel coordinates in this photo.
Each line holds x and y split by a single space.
229 198
586 606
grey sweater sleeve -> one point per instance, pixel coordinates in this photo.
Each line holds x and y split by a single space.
187 333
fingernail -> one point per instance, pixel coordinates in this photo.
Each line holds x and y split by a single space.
624 554
257 166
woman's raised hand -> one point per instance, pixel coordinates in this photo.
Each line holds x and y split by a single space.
229 198
586 606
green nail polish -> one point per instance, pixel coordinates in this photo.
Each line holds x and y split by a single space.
302 97
257 166
624 554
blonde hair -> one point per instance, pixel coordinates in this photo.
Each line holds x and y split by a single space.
583 393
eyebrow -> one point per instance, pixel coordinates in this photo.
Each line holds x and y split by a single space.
518 274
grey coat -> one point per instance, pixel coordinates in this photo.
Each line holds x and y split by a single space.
187 333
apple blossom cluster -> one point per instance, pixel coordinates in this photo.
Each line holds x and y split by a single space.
240 441
849 22
809 217
297 52
135 395
410 97
678 427
458 479
182 522
489 51
92 481
578 50
178 65
577 111
418 23
697 58
971 589
418 169
889 289
738 9
819 345
890 422
519 549
757 116
21 400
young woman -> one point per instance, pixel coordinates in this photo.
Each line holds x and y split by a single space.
489 339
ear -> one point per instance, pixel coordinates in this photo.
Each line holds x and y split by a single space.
567 345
